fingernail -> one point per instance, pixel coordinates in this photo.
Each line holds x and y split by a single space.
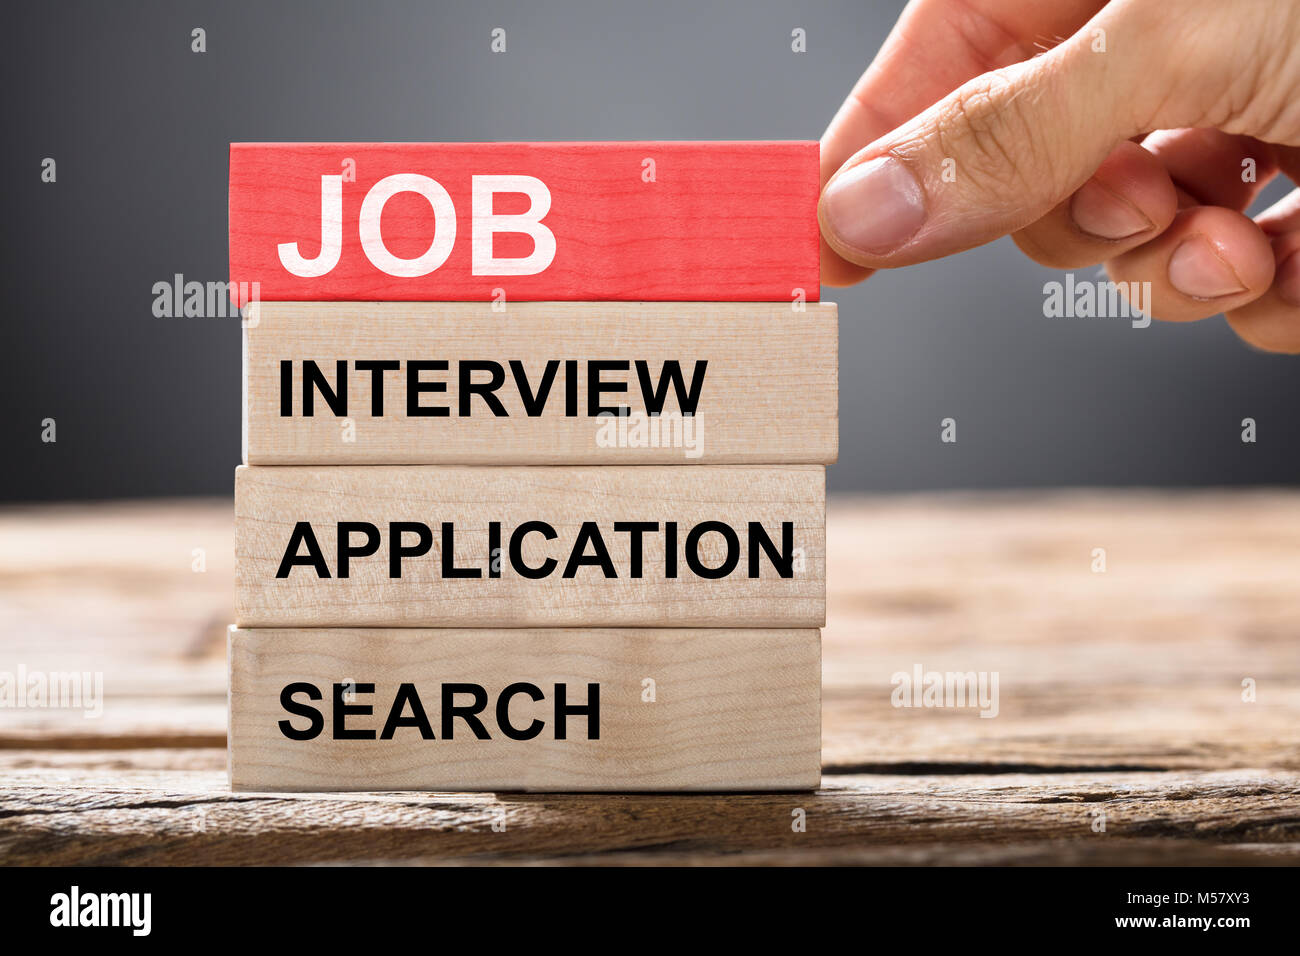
1196 269
1104 214
1287 279
874 207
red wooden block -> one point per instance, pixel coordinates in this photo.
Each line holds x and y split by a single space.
527 221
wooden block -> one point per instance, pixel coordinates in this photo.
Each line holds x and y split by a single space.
478 221
469 557
758 381
731 709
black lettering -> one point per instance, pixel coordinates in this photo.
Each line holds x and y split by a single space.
589 533
590 710
517 536
783 561
414 388
346 550
729 562
316 719
656 395
571 388
376 368
313 381
286 388
595 386
449 569
534 402
406 693
503 711
494 549
397 551
342 711
451 710
636 529
314 558
485 390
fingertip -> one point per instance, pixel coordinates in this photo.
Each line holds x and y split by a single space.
837 271
1208 261
1100 212
1128 201
871 208
1287 279
1129 194
1220 253
1271 323
1266 332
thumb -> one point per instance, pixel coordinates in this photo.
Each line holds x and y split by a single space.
991 157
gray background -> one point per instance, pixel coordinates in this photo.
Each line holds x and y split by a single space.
139 126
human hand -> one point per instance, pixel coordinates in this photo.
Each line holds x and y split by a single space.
1131 141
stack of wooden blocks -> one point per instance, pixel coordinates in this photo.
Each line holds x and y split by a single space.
533 494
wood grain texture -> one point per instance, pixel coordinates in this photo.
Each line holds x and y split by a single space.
53 812
733 710
1138 668
1203 597
270 502
768 393
719 221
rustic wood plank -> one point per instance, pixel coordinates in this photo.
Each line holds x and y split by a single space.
595 709
634 221
1200 593
1138 666
1128 852
577 505
139 592
757 380
65 815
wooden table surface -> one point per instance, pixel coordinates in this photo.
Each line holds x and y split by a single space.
1121 700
